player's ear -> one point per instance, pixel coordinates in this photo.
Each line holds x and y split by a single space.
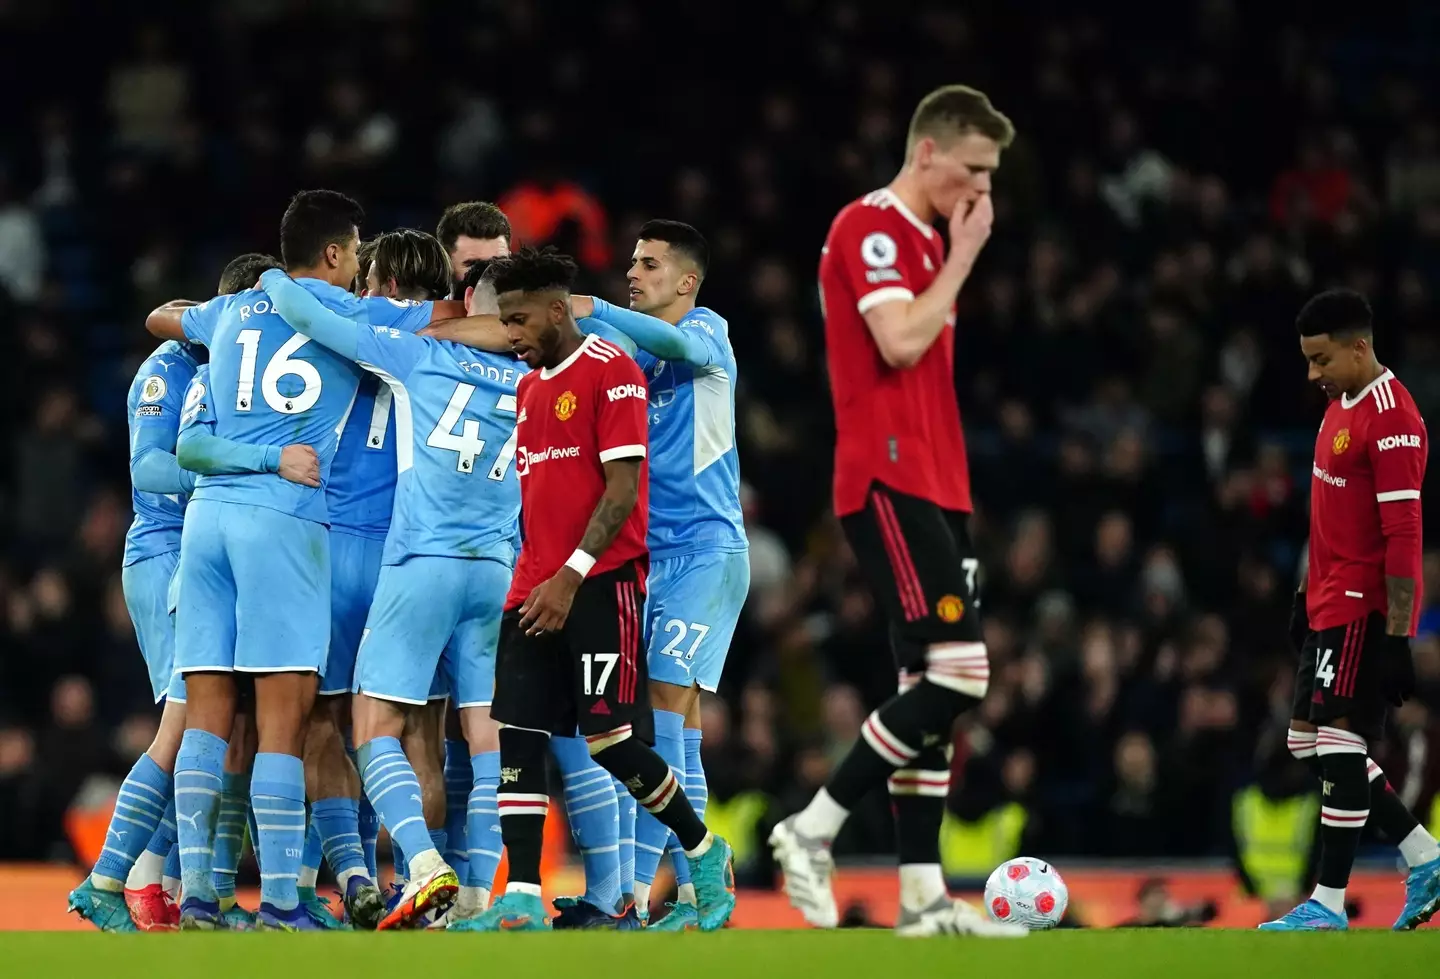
689 282
559 309
469 294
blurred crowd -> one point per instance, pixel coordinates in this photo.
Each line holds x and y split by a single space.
1140 426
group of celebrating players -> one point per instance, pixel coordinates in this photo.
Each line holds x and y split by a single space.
443 518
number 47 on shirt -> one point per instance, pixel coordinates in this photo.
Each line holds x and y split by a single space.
468 443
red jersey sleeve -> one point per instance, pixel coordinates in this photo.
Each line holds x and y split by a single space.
1398 448
623 421
875 258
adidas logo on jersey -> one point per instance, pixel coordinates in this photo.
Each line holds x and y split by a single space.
627 391
1398 442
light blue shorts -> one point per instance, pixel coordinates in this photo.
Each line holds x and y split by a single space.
693 604
354 572
147 585
429 612
254 590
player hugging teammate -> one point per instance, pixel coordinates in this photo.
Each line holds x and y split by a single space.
350 492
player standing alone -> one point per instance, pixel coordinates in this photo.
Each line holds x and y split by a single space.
571 638
1358 606
902 492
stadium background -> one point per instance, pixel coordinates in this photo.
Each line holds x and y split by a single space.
1139 422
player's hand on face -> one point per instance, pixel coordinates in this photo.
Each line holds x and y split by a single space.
548 605
970 227
300 464
582 306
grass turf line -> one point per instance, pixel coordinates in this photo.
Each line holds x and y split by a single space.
747 954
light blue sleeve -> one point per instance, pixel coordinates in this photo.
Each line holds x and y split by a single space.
405 315
308 315
658 337
391 350
607 332
198 322
200 450
153 431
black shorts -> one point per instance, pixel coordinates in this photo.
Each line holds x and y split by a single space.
1341 674
921 565
588 676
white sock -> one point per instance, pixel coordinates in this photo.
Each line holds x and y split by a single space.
642 897
308 876
342 879
482 898
468 902
149 869
172 887
1332 897
514 887
700 850
685 894
1419 847
822 818
102 883
921 885
422 865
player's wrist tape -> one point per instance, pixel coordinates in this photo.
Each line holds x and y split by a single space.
580 562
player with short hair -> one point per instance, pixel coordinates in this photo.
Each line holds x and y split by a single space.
570 640
700 563
902 492
1358 606
447 567
255 583
472 231
125 890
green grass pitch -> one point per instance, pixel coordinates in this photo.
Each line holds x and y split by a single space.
728 955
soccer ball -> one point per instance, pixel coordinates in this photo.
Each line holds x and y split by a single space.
1028 892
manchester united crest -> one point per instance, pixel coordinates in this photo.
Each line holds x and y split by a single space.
565 406
1341 442
949 609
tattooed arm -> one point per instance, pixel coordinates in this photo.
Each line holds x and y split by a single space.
1400 594
548 606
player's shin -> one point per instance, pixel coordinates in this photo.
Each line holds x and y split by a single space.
149 867
277 794
230 834
651 836
1345 807
646 776
310 857
458 782
698 791
139 809
592 809
338 820
917 796
625 830
1396 823
394 791
523 802
482 829
199 778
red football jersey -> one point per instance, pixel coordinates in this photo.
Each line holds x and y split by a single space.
573 418
1365 503
900 427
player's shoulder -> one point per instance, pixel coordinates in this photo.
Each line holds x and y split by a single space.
878 211
605 358
1387 401
705 318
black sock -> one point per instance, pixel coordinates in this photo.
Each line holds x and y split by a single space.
1387 813
917 793
654 786
894 736
1345 804
522 801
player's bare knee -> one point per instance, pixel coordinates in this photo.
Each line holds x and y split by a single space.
963 667
373 718
672 698
597 743
478 729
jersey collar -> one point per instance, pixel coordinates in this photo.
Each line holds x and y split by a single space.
1348 402
548 372
906 213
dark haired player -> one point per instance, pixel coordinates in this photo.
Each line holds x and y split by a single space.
1358 606
699 554
473 233
571 638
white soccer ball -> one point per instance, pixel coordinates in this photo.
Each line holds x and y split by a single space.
1028 892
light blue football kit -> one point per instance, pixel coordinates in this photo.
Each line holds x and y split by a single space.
451 544
255 561
160 489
